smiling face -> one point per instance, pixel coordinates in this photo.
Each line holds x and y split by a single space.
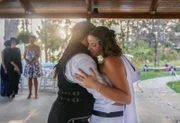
94 46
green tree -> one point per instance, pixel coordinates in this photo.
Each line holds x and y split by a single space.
53 35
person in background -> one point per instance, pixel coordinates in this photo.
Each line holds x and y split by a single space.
33 68
14 67
4 77
172 70
167 66
145 68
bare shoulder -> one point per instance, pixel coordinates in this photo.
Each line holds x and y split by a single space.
113 61
36 46
114 67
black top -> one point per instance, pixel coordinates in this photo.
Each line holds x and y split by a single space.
63 83
12 55
73 100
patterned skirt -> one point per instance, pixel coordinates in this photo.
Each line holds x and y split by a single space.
33 70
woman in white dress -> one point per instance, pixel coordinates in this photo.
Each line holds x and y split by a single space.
117 86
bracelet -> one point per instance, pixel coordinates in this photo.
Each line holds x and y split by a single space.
99 87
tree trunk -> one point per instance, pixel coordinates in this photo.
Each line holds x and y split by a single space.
46 56
26 23
45 46
158 39
155 45
11 28
23 27
122 35
127 38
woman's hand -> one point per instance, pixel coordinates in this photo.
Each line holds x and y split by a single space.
30 62
16 68
89 81
5 71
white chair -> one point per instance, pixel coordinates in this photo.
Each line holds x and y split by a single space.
21 82
47 79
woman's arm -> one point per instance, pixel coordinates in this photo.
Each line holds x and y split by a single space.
115 71
24 56
19 59
15 66
38 53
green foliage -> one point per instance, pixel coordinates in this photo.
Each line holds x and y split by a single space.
155 74
178 27
177 49
163 62
157 71
141 52
174 85
151 42
103 22
53 37
174 63
23 36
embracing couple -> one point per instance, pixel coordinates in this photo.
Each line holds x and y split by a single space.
102 92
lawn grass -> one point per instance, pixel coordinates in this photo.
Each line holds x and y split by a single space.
174 85
155 74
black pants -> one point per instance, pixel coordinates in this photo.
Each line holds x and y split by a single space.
79 121
64 112
13 84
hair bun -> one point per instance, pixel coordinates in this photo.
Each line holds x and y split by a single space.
110 34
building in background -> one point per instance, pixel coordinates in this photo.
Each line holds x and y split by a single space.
1 36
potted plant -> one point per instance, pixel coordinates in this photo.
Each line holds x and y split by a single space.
23 36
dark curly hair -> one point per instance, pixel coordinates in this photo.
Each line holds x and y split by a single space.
107 41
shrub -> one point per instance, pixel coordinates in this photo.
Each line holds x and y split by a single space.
23 36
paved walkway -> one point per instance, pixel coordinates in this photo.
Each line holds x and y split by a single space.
157 104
